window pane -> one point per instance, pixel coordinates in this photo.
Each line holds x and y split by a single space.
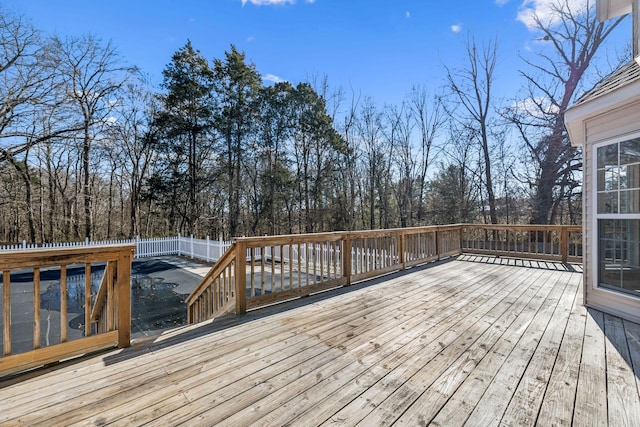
600 180
609 238
610 275
608 155
619 255
608 202
611 177
631 255
618 192
633 176
630 201
630 152
622 177
631 279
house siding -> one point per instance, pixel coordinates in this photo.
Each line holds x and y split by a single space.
613 124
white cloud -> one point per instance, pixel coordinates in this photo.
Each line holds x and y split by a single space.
456 28
502 2
547 10
407 14
535 107
272 78
272 2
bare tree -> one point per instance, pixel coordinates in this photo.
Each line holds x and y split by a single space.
32 103
571 39
472 90
398 133
93 74
455 190
429 118
348 174
370 131
23 82
136 141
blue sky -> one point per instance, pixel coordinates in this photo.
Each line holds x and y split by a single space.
378 48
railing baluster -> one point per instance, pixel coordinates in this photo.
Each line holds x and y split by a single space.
322 255
87 299
6 297
36 308
281 267
63 303
252 261
273 270
314 255
307 255
111 296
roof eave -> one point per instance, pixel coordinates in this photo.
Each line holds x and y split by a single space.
576 116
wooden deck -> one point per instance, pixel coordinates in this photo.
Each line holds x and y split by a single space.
476 341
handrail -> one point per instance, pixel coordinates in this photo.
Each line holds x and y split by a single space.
551 242
101 296
216 291
107 316
102 313
269 269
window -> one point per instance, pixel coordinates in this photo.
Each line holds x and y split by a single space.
618 216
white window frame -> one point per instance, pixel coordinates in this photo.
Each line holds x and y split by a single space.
595 249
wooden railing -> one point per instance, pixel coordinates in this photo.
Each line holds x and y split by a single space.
258 271
107 308
558 243
215 294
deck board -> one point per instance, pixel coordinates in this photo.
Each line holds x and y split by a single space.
527 399
477 341
404 385
440 392
591 394
622 393
491 406
559 398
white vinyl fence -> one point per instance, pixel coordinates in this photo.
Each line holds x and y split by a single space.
211 250
204 249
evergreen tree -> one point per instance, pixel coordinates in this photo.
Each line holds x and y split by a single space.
185 125
237 87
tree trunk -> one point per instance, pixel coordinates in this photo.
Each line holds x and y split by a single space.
86 182
489 182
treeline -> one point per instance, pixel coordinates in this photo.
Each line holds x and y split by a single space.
89 149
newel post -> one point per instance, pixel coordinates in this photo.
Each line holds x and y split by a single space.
124 298
346 258
564 244
437 239
240 282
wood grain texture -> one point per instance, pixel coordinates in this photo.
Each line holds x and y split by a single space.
480 340
591 394
622 393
